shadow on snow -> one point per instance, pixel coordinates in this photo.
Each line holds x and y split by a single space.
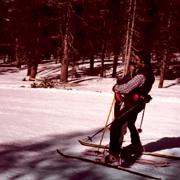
164 143
39 160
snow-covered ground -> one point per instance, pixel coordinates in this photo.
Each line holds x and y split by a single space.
35 122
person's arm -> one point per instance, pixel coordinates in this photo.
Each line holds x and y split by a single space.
136 81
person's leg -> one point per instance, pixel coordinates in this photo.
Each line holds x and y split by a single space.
116 109
136 145
117 131
135 139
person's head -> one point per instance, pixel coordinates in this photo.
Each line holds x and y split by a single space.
142 58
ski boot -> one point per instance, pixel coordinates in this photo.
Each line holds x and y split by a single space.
133 149
112 158
130 154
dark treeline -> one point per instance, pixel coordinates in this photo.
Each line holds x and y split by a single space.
31 30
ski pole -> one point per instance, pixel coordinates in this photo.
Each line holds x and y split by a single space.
90 137
110 110
140 129
105 127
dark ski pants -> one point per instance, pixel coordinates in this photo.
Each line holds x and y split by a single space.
118 127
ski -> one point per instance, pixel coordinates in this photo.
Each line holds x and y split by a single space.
162 155
100 146
93 145
127 161
104 164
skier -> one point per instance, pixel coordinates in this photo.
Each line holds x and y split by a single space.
135 93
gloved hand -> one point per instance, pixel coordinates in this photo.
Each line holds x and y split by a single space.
115 88
146 98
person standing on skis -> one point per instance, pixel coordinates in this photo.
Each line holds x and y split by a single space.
135 93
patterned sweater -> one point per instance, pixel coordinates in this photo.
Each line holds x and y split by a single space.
135 82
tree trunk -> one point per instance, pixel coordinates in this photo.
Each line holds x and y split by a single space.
66 46
17 58
166 55
129 36
163 70
102 59
104 45
33 74
92 65
115 65
65 61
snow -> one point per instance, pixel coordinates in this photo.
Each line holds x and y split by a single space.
37 121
